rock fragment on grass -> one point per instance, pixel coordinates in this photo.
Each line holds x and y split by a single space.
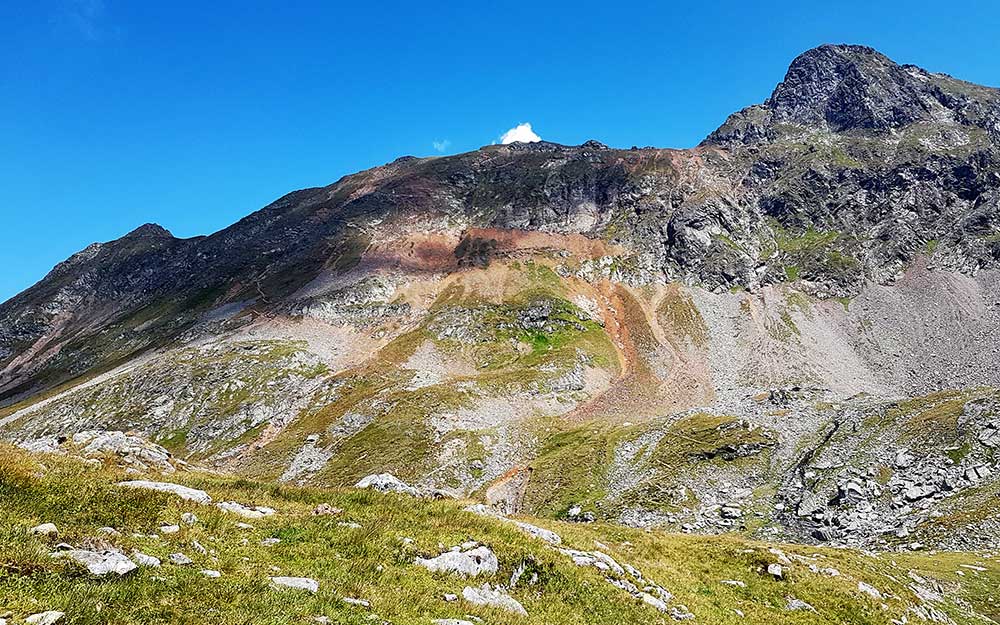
869 590
537 532
386 483
188 494
495 598
296 583
657 603
49 617
100 563
470 563
247 512
358 602
48 530
145 560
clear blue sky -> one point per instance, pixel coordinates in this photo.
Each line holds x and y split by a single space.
114 113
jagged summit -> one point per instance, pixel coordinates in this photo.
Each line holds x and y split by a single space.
845 88
149 231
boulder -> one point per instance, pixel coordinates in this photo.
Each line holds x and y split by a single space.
851 492
145 560
180 559
600 561
537 532
657 603
990 435
680 612
100 563
470 563
49 617
486 596
540 533
903 459
296 583
188 494
577 514
133 450
977 473
869 590
49 530
48 445
730 512
914 492
247 512
386 483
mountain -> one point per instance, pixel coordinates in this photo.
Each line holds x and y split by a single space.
789 330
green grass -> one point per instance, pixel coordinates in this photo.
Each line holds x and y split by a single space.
679 312
810 253
570 466
931 420
698 446
374 563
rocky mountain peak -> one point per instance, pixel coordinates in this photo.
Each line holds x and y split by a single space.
149 231
852 88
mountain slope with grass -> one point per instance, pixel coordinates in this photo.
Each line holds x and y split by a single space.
362 549
787 333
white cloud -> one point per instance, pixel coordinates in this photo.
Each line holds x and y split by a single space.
522 133
441 145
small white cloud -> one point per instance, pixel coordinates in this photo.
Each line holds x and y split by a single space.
522 133
441 145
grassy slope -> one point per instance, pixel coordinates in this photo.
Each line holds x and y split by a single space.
80 499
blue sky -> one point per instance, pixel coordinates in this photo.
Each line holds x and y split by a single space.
192 114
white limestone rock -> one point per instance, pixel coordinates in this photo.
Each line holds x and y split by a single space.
386 483
296 583
470 563
486 596
188 494
100 563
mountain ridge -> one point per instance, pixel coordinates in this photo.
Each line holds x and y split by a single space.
677 338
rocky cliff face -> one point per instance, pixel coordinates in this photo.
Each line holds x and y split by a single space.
578 311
